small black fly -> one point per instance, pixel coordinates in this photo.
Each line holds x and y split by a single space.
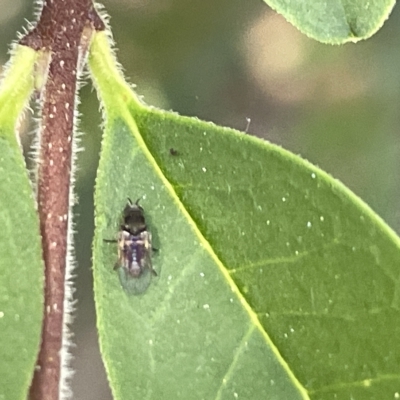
134 250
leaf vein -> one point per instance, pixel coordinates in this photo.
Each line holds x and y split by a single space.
235 360
361 383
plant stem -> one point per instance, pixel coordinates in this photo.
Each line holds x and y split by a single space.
59 31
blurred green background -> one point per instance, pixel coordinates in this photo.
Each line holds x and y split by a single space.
227 62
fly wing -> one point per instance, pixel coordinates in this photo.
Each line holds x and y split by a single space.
147 264
125 251
146 250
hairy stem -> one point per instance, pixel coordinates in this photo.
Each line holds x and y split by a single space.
60 31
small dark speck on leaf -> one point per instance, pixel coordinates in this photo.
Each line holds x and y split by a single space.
173 152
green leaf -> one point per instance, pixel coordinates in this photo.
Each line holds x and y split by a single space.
21 267
275 281
335 21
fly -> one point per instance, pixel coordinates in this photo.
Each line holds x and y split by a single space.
134 264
